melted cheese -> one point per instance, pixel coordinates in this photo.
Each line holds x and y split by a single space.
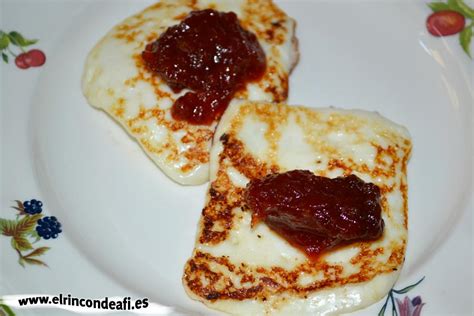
253 271
116 81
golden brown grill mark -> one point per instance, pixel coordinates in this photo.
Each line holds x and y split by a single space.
276 279
130 29
234 150
384 203
191 4
145 76
151 37
118 109
129 36
199 138
217 215
266 20
349 166
275 80
397 257
181 16
403 185
404 191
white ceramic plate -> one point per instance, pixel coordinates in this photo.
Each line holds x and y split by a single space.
129 229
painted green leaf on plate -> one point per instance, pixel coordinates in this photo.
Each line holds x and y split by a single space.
34 261
465 40
438 6
37 252
7 227
21 243
18 39
27 223
4 40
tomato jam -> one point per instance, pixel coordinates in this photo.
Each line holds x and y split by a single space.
209 53
316 213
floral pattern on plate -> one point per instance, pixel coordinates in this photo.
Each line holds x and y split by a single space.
5 310
449 19
29 227
24 59
405 306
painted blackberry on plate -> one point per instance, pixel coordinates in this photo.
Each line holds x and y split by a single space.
33 207
28 228
48 227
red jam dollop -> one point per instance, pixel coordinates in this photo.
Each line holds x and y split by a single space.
211 54
316 213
